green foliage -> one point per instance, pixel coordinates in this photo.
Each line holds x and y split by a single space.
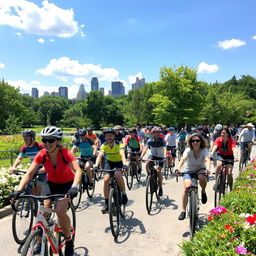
13 125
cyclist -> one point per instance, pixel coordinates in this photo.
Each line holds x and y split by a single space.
246 137
133 144
88 151
30 149
63 174
115 158
141 134
196 156
157 148
118 135
225 147
215 135
171 140
182 139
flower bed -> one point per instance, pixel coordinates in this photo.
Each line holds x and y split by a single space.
231 229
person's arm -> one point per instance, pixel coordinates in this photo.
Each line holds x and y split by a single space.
214 150
99 157
144 151
94 149
16 163
123 157
181 162
208 164
78 173
73 149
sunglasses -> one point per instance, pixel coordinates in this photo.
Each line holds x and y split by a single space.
193 141
48 140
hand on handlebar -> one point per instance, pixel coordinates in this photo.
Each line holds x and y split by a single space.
14 195
12 170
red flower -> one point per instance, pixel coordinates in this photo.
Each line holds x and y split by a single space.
209 217
251 219
229 228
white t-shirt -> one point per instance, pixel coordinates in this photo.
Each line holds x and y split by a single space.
193 164
171 139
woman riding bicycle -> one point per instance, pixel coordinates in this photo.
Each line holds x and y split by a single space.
226 150
195 156
63 174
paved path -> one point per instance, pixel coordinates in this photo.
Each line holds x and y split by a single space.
141 234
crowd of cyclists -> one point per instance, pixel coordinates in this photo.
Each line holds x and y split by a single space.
60 172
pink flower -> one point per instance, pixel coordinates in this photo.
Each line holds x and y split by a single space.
241 250
218 210
252 175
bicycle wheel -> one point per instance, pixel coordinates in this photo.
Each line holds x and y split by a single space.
72 216
137 173
101 167
166 168
192 212
22 220
31 245
129 177
76 200
114 212
149 194
90 190
218 192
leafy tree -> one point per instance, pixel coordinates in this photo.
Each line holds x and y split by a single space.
13 125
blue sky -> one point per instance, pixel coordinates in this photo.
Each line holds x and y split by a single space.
47 44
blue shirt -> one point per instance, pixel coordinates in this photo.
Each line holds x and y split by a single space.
85 147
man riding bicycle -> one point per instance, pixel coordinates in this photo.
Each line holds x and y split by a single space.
171 140
157 148
115 158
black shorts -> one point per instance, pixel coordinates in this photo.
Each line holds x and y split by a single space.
222 157
172 150
161 164
55 188
112 165
85 159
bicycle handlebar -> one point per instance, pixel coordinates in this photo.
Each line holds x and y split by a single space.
192 173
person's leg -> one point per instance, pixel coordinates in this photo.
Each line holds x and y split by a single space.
184 197
61 211
229 175
88 167
203 183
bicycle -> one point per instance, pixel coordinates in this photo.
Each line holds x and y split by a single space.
244 157
181 149
46 230
132 171
84 183
193 199
221 186
116 209
22 219
167 166
152 185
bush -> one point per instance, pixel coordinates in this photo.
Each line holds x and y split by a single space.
232 227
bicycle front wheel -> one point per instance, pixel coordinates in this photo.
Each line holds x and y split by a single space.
90 189
114 212
166 169
192 212
22 220
149 194
76 200
32 244
129 177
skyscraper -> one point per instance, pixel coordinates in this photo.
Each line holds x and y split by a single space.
139 83
63 91
94 84
35 93
117 88
102 90
81 92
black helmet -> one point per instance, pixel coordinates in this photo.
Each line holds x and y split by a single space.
29 133
109 130
132 130
82 132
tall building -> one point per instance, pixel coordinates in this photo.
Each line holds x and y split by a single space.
139 83
55 94
46 93
35 93
63 91
94 84
102 90
81 92
117 88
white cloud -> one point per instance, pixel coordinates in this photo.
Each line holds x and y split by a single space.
65 67
233 43
40 40
22 85
48 20
206 68
18 34
52 40
81 80
254 37
132 79
132 21
35 82
2 65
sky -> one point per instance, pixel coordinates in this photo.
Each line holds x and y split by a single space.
52 43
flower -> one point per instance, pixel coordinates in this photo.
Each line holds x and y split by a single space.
229 228
241 250
251 219
218 210
209 217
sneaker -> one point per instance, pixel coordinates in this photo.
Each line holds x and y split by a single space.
160 192
124 199
204 198
104 209
37 250
69 248
182 216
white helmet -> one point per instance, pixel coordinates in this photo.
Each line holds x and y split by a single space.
52 131
218 127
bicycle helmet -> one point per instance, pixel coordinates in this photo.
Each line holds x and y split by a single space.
156 129
117 127
52 131
89 128
132 130
218 127
109 130
171 129
82 132
29 133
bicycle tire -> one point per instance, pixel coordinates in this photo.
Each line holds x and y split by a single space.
89 191
25 210
192 212
217 193
149 194
137 173
129 177
114 212
166 170
76 200
101 167
29 247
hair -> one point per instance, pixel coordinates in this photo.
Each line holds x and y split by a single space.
227 131
201 138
